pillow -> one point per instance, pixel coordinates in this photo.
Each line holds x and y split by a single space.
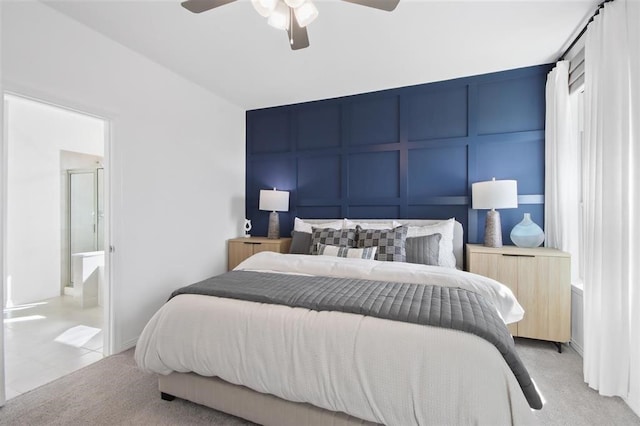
381 225
302 226
390 242
446 257
300 242
424 250
332 237
355 253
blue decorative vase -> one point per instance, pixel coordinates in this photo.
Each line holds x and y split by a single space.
527 233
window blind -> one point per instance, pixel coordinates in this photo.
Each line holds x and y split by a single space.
576 71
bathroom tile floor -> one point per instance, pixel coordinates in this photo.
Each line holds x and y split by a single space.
47 340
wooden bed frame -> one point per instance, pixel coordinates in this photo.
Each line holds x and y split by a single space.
266 409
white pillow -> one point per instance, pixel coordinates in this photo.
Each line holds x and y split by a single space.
446 257
382 225
302 226
354 253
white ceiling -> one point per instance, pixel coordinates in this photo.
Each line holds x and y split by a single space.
234 53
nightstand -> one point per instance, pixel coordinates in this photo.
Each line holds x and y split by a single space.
540 278
242 248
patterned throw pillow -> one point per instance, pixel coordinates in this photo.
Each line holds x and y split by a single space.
354 253
332 237
390 242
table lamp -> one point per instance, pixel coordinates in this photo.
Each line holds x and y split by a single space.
494 194
274 201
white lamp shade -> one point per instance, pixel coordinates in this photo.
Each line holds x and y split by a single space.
495 194
306 14
274 201
279 18
264 7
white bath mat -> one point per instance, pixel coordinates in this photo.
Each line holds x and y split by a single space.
77 336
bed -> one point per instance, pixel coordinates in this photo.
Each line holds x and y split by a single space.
275 364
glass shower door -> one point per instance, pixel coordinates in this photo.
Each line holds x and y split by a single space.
83 212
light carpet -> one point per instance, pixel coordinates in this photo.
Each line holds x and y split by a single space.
569 401
114 392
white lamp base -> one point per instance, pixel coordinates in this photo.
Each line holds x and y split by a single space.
493 230
274 226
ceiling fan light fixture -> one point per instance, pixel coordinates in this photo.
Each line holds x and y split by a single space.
294 3
306 13
264 7
293 16
279 18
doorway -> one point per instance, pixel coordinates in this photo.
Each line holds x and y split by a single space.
56 269
83 241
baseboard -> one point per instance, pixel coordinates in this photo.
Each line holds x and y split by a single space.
576 347
126 345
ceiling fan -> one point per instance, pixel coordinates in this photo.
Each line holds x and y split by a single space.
290 15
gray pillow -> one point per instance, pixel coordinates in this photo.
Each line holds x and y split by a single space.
390 242
300 242
424 250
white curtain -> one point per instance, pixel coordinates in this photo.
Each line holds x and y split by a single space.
611 189
562 168
633 27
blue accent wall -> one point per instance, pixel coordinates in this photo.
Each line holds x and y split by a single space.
411 152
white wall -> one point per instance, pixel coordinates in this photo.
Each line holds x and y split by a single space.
177 155
36 133
577 319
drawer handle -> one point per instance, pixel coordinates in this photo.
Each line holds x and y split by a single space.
518 255
253 244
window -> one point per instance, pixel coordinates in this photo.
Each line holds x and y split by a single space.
577 119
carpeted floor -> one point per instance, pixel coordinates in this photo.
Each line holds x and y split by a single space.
114 392
109 392
569 401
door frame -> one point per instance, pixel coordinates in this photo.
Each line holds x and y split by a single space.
108 164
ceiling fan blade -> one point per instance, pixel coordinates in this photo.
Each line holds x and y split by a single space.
387 5
298 37
198 6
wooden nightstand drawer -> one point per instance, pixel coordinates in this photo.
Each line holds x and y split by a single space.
242 248
540 278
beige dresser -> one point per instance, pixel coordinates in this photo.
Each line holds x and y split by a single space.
540 278
241 248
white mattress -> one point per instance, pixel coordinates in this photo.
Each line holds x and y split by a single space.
374 369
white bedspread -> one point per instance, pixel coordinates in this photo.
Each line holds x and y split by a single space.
374 369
